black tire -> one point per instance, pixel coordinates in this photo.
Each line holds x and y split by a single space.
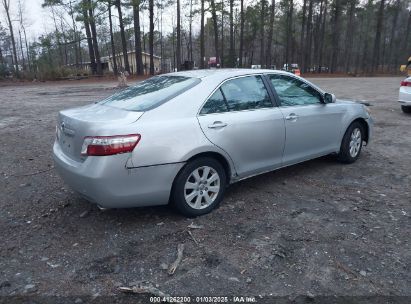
178 191
344 155
406 109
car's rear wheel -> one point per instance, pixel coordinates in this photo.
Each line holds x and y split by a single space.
406 109
352 143
199 187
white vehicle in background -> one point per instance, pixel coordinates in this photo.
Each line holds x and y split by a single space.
405 95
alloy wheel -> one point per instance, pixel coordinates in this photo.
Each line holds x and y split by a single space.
355 142
202 187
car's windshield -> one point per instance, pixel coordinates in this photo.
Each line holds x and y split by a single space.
150 93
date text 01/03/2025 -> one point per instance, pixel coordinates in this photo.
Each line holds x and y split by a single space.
205 299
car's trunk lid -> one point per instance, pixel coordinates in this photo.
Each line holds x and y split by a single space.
75 124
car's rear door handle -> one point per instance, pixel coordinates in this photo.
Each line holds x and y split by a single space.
292 116
217 125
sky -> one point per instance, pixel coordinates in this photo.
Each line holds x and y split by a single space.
39 21
36 15
36 19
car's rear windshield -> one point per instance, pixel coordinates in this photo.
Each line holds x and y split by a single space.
150 93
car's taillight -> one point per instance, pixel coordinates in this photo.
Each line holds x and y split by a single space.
109 145
406 83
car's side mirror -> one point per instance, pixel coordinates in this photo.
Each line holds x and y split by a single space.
329 98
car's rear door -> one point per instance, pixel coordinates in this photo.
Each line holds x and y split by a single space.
240 118
312 127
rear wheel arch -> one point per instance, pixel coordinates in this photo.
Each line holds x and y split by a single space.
178 196
217 156
214 155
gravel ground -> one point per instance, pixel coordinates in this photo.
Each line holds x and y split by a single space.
319 228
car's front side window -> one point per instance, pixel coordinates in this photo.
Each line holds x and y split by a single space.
293 92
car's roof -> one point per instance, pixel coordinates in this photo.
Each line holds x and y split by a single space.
219 75
222 72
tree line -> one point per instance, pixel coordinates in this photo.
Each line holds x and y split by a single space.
322 36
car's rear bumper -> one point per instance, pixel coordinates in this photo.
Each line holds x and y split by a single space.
106 181
405 96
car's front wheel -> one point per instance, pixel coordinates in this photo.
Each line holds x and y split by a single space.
406 109
352 143
199 187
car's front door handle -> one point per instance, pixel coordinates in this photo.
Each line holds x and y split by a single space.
292 117
217 125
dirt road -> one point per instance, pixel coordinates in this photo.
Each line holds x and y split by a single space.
318 228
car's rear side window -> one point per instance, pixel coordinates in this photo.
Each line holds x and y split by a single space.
150 93
215 104
238 94
246 93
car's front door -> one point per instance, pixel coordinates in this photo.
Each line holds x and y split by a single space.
240 118
312 127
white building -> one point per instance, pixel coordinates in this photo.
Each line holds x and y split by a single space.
132 62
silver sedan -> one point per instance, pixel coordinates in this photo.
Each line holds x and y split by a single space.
184 137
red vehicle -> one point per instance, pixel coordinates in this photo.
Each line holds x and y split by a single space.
292 68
